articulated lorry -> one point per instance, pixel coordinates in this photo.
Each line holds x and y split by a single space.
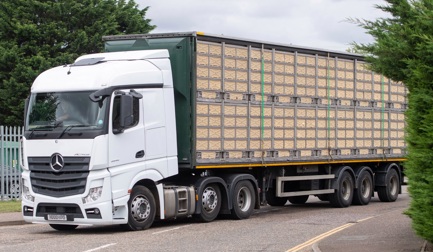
162 126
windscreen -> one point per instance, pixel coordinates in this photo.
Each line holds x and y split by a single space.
62 110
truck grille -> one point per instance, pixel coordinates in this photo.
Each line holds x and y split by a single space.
71 180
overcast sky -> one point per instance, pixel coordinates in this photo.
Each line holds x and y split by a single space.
309 23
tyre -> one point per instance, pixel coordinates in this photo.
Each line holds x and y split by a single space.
273 200
389 193
243 199
342 197
210 203
298 200
362 195
60 227
323 197
141 209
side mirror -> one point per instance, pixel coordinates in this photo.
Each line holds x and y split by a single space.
126 111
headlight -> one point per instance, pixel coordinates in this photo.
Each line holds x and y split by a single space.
26 193
94 194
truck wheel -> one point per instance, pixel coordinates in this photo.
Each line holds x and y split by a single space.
389 193
141 208
342 197
210 203
243 199
60 227
362 195
273 200
298 200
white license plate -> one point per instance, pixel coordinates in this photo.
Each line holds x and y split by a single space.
57 217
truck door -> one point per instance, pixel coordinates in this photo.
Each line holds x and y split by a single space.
127 144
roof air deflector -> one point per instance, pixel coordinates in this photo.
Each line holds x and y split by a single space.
86 62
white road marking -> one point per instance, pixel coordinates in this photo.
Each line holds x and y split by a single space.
366 219
102 247
171 229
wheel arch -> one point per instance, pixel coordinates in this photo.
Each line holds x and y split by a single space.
202 183
337 171
149 179
382 170
358 170
231 181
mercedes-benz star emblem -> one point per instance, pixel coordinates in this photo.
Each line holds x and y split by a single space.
57 162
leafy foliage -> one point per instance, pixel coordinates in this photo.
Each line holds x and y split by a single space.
38 34
403 51
44 110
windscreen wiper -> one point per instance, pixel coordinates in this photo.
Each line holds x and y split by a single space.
69 127
43 128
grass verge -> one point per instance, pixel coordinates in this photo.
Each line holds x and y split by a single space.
10 206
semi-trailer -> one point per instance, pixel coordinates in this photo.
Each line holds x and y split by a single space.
170 125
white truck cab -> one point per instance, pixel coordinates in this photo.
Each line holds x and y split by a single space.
84 150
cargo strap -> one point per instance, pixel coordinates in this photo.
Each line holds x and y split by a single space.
262 109
382 117
328 111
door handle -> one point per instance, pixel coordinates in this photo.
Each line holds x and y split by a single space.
139 154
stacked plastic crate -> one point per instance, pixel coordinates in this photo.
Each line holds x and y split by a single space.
256 105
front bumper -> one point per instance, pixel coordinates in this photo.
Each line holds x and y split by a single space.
71 210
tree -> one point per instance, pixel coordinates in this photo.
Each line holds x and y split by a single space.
403 51
38 34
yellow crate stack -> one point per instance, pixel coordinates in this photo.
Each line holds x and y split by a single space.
266 104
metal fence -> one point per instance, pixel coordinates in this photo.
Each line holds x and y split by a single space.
10 170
